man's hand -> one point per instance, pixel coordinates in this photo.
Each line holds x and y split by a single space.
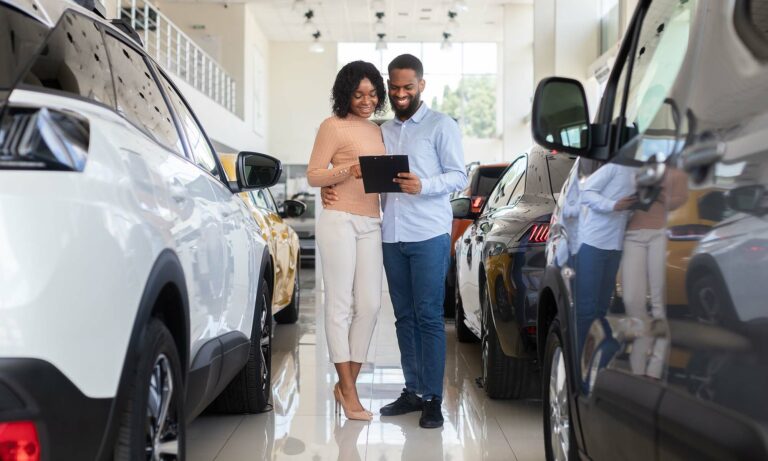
356 171
625 203
328 196
409 183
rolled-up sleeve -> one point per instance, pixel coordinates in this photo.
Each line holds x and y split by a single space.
451 155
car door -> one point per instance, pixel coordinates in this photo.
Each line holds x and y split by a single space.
231 233
715 405
621 360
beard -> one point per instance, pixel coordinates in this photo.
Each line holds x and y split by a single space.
405 114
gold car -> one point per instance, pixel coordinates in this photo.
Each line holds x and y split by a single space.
282 241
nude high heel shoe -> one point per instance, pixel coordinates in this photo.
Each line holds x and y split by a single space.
359 415
338 405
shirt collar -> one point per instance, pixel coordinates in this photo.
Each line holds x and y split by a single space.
421 112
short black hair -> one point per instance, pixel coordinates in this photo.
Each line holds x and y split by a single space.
347 81
407 61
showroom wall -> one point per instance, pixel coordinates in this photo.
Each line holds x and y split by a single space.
299 91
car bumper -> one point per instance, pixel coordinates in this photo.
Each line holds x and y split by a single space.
69 424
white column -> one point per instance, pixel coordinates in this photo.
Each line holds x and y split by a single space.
517 78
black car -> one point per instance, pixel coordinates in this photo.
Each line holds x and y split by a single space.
652 318
499 263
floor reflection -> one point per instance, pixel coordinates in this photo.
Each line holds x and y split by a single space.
303 427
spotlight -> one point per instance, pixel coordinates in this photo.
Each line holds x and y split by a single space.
379 26
447 45
381 45
308 25
453 25
316 46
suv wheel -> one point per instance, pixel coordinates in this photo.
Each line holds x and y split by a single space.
463 333
290 313
250 390
559 439
503 377
151 423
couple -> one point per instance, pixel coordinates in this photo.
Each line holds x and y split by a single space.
411 240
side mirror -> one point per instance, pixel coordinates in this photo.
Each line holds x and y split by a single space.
292 209
747 199
462 207
712 206
560 118
257 171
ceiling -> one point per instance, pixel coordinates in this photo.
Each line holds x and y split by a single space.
405 20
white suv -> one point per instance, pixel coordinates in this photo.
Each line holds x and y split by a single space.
134 286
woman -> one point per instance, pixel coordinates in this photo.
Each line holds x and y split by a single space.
349 230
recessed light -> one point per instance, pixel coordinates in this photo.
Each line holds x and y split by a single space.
490 23
426 10
401 37
424 18
402 13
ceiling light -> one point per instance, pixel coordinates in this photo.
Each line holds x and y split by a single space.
316 46
381 45
298 5
308 25
460 5
378 5
446 45
453 25
379 26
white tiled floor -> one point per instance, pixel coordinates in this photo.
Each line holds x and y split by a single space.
302 425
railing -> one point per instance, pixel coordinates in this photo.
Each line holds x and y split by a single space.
178 53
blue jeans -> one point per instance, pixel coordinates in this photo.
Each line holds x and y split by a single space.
595 282
416 276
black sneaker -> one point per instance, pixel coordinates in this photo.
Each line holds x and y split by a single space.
431 416
406 403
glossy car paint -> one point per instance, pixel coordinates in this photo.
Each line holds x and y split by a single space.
282 241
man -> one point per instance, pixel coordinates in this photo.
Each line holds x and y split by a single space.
416 236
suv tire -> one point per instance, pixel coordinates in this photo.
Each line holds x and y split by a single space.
559 436
503 377
250 391
290 313
153 426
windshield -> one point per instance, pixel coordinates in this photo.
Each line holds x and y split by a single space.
20 37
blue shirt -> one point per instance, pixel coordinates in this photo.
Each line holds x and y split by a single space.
432 142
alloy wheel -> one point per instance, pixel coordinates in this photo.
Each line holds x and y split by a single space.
161 426
559 413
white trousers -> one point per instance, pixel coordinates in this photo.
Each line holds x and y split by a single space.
351 258
643 276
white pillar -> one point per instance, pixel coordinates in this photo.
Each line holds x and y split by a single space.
517 78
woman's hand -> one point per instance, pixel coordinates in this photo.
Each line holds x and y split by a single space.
328 196
355 171
625 203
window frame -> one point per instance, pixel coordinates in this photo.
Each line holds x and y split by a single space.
159 74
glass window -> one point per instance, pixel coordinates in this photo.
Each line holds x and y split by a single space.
269 199
74 61
138 96
201 150
659 55
20 37
259 199
503 191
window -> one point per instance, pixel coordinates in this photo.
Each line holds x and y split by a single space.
461 81
507 185
138 96
74 61
259 198
659 54
20 36
204 156
269 199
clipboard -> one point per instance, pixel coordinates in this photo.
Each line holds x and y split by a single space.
379 171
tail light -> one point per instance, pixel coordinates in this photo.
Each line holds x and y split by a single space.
687 232
43 139
539 233
19 442
477 203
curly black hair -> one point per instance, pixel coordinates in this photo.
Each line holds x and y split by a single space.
347 81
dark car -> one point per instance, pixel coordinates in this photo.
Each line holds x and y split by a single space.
666 357
304 226
499 263
481 180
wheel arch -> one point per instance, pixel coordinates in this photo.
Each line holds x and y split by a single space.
165 296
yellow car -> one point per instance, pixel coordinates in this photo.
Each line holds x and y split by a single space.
282 241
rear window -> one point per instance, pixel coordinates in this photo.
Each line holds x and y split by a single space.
485 178
20 37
